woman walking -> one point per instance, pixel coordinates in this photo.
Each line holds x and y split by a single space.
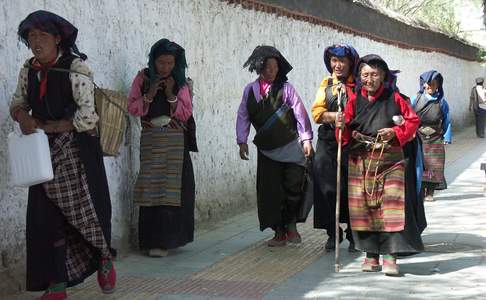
68 218
435 131
283 139
340 61
382 192
165 188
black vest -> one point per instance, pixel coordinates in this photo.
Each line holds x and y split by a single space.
326 131
372 116
58 102
282 132
332 100
429 112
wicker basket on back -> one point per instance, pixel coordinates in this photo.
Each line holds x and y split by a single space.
111 107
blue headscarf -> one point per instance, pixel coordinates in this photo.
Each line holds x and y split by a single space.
341 51
428 77
51 23
164 46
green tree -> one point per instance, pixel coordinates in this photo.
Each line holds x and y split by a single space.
438 13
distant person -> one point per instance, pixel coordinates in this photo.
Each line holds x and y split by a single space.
283 139
478 105
435 130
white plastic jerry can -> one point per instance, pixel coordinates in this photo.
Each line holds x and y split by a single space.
30 158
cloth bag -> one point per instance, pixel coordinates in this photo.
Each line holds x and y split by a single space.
308 193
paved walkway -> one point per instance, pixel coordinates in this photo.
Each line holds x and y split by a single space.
231 260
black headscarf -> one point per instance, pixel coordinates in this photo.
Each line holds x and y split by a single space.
53 24
164 46
256 62
479 81
373 59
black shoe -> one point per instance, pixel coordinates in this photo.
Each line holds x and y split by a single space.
349 237
352 247
331 243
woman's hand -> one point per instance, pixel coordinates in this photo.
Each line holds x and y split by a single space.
27 123
243 151
168 85
308 149
154 88
339 120
58 126
147 125
387 134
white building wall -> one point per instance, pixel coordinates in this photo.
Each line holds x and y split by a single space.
218 37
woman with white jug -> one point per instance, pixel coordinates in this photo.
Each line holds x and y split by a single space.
68 218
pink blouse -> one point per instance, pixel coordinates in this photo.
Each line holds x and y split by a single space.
138 107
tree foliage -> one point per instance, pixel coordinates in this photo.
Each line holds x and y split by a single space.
438 13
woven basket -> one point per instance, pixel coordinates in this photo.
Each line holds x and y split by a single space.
112 121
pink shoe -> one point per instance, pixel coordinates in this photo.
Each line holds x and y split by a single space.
294 237
390 267
371 265
107 276
278 240
48 295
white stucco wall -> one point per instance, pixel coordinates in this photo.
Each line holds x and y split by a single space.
117 35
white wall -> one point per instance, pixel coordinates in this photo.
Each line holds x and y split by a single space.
117 35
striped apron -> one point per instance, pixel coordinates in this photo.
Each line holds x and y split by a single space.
161 160
377 203
434 160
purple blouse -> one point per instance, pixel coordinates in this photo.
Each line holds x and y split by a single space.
290 98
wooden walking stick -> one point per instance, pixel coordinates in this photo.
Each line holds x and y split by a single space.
338 177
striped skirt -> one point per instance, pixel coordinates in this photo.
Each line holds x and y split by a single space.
161 159
434 160
377 199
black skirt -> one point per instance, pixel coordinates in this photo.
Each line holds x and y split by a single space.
325 171
46 224
170 227
279 191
